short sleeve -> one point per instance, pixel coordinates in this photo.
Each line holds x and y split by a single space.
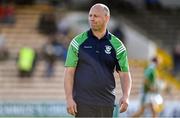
121 54
123 61
72 55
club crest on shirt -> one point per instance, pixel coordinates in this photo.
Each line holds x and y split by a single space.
108 49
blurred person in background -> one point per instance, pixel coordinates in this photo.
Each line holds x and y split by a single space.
176 60
4 53
150 90
53 50
47 24
26 61
91 60
1 12
7 12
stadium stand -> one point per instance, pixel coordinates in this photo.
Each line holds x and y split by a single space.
39 88
161 26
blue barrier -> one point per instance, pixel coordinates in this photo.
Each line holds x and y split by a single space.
58 109
37 109
30 109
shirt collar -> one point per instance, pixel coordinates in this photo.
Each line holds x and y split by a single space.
90 34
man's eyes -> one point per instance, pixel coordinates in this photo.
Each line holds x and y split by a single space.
93 16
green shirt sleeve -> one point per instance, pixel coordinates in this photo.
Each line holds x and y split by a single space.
72 54
121 53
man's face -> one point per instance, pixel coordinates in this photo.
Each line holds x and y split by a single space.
97 19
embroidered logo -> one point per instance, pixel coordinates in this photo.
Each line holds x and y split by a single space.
108 49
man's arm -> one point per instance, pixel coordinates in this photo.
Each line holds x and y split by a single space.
125 78
68 86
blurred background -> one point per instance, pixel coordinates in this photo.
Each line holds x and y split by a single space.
34 36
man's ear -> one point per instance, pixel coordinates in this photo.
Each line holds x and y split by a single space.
107 18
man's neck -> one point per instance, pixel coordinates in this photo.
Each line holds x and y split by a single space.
99 34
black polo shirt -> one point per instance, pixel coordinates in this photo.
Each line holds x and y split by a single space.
95 61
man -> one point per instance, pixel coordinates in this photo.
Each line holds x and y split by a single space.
26 61
92 56
149 89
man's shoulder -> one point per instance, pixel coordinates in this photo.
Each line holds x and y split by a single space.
78 40
116 42
115 39
80 37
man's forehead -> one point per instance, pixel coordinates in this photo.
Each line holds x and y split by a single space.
97 10
100 9
97 7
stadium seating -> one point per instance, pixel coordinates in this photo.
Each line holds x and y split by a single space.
38 87
160 26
